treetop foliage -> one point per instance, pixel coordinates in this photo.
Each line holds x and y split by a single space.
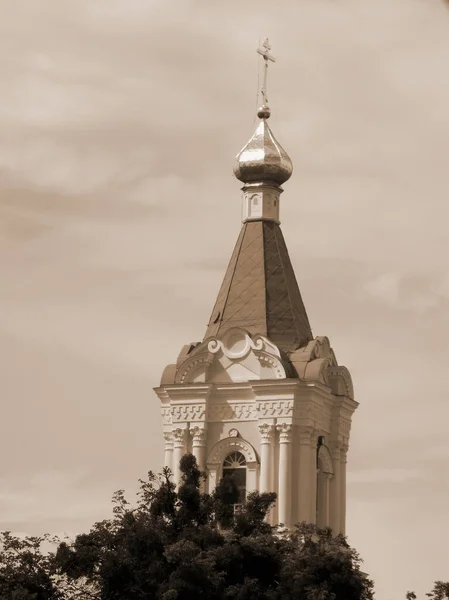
186 545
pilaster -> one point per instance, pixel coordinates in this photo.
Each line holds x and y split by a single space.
335 491
343 462
313 476
307 469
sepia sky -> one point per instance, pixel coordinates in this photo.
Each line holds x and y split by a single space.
120 121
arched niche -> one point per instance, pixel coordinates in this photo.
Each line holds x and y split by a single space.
325 472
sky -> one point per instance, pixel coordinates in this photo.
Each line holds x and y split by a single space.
119 211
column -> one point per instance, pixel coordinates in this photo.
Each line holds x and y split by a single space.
313 481
343 461
179 449
199 449
266 452
335 494
327 480
168 454
323 499
306 458
285 473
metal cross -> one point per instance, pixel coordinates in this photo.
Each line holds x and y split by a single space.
265 51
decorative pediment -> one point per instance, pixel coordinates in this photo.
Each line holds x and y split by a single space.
340 381
234 357
195 368
317 362
318 348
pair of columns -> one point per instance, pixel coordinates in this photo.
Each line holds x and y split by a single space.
176 444
306 470
331 499
266 482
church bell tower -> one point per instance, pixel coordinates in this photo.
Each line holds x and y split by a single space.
260 397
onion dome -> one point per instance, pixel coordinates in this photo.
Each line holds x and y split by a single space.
263 160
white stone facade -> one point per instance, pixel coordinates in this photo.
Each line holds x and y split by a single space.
289 417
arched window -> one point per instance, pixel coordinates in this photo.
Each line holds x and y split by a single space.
234 465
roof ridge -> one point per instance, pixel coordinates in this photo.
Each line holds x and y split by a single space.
285 279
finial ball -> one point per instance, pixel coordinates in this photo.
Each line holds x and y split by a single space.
264 112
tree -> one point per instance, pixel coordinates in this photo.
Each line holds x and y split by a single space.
440 591
183 545
319 566
25 571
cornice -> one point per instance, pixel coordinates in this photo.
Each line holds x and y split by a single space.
161 393
349 403
274 387
242 392
324 390
187 392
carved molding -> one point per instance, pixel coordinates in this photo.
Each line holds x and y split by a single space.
168 438
317 370
285 433
166 415
179 437
191 365
266 433
232 412
187 412
342 374
344 452
275 408
228 445
236 343
274 362
198 436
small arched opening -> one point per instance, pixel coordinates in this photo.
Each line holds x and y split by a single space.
234 469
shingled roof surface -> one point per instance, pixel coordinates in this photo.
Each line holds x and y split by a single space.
259 292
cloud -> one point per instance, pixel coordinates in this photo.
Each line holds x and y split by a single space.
58 495
120 121
395 475
385 287
418 292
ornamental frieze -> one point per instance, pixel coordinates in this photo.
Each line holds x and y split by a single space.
277 408
232 412
187 412
166 415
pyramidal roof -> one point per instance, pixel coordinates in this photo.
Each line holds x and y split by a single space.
259 292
